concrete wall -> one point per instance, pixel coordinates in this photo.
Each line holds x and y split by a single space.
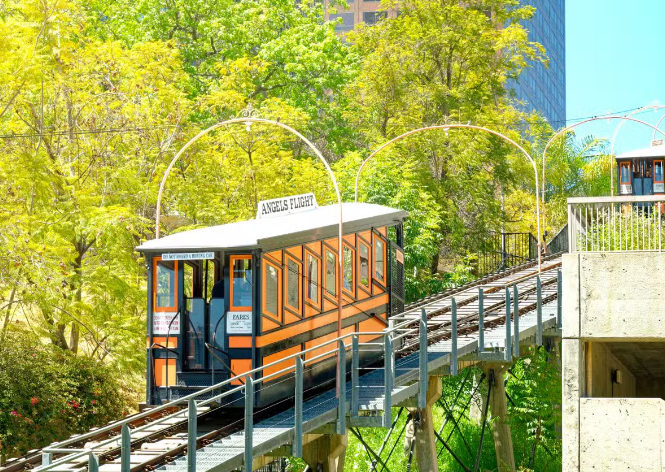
621 434
600 365
610 297
614 296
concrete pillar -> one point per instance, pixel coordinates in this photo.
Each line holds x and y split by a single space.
572 378
326 452
503 441
425 449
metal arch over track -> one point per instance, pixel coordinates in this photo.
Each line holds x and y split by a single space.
475 322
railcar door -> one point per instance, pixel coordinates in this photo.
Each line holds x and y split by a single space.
186 304
658 178
625 178
240 320
163 329
647 172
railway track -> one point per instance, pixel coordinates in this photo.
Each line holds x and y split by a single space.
438 307
158 439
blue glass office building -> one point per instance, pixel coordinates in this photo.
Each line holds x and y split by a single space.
544 88
540 88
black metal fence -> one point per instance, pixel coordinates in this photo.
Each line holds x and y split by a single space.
559 243
504 250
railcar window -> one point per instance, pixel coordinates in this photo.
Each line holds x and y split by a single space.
348 268
658 171
292 284
312 278
272 289
209 275
331 280
189 280
625 173
242 281
165 279
364 265
195 341
379 259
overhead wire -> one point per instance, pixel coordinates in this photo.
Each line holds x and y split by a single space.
152 128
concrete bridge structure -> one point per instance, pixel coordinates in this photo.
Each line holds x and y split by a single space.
613 346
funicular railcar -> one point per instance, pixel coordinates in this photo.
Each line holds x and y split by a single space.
227 299
641 172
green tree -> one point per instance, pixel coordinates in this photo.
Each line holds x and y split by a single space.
81 185
441 62
260 49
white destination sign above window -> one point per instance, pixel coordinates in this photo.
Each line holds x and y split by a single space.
187 256
286 206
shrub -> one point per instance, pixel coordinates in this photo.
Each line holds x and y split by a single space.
47 394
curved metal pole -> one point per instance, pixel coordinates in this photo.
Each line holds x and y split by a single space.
461 126
248 121
565 130
634 112
657 127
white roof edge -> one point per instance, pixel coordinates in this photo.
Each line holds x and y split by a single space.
653 151
283 231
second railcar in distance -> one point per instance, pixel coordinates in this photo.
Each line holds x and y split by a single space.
642 172
227 299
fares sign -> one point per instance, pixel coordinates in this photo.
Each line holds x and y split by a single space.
239 322
286 206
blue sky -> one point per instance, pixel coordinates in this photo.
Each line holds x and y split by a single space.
615 61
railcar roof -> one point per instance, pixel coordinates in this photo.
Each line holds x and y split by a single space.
650 152
279 231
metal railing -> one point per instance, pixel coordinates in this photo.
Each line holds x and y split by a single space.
612 224
559 243
338 347
504 250
388 343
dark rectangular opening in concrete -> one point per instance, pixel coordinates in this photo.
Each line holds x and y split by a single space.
625 369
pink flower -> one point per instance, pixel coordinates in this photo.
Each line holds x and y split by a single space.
94 402
34 400
75 404
13 413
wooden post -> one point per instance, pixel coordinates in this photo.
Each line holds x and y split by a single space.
503 441
325 452
424 435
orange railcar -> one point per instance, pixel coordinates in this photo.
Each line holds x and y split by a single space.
228 299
